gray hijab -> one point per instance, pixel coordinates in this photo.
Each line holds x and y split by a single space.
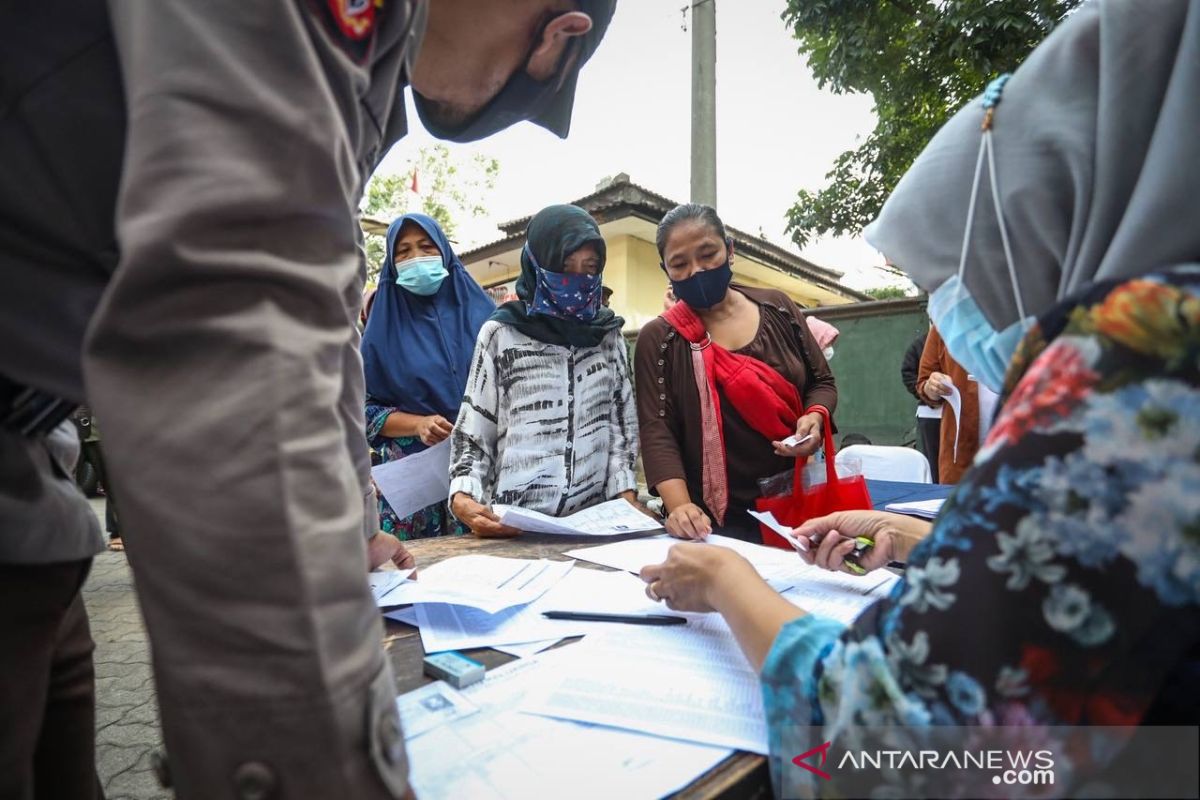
1097 148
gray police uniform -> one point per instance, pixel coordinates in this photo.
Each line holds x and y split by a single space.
230 142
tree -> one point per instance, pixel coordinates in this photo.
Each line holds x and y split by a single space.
449 191
921 60
887 292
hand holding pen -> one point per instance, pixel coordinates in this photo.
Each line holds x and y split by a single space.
859 541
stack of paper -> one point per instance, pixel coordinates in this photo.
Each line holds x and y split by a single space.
927 509
489 583
838 595
448 627
634 554
612 518
383 583
502 753
690 683
833 594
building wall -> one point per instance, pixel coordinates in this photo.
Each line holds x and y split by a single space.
633 273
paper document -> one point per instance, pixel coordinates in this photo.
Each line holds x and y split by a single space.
954 400
489 583
768 519
416 481
688 682
792 441
834 594
839 595
382 583
502 754
605 519
633 554
526 649
406 615
434 704
927 509
446 627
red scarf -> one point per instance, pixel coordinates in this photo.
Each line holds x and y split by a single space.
761 396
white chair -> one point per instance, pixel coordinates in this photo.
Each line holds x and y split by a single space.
887 463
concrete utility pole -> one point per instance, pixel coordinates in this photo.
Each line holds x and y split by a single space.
704 102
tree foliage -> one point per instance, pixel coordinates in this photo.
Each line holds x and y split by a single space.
921 60
450 190
887 292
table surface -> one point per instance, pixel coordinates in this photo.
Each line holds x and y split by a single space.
884 492
742 775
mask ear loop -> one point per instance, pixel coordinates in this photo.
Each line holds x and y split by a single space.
1008 257
991 99
966 245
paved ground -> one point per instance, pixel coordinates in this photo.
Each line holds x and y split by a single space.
127 731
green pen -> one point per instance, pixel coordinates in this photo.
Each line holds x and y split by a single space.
861 545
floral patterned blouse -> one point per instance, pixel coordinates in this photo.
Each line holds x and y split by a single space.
434 520
1060 584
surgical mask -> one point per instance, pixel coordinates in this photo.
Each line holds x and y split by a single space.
828 353
705 288
970 339
565 295
422 276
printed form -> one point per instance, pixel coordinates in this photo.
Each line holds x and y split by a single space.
499 753
838 595
611 518
690 683
489 583
446 627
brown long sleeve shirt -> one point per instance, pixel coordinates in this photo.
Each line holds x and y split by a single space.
669 407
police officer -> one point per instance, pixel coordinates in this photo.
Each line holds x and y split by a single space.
214 332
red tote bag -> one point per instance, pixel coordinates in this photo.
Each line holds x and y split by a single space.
836 494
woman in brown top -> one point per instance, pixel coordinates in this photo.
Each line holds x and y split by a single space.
763 367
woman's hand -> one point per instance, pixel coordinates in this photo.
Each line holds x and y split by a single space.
687 521
383 547
810 425
831 538
937 387
433 429
479 518
693 574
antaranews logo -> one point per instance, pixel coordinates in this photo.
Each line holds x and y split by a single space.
1008 767
823 751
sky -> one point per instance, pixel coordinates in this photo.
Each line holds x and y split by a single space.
776 131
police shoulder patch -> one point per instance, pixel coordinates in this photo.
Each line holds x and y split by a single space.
355 18
351 23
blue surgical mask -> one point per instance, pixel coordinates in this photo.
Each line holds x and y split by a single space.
705 288
970 339
422 275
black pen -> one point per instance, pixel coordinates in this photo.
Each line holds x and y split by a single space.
631 619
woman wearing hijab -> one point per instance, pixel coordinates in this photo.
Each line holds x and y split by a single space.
723 376
548 420
416 352
1061 583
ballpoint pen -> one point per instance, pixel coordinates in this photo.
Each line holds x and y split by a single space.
629 619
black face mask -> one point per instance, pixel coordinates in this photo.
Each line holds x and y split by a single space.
521 98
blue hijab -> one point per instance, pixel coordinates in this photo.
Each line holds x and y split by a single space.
417 350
